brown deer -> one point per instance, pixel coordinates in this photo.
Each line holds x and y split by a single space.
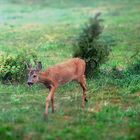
53 77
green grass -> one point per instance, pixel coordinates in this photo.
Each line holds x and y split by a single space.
49 28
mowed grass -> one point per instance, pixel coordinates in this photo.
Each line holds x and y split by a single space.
49 28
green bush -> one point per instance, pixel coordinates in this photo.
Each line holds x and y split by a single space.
134 66
91 47
13 68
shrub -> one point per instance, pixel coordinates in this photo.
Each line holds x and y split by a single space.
91 47
13 68
134 66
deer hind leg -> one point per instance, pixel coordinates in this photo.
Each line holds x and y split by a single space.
82 82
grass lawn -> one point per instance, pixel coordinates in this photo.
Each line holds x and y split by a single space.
49 28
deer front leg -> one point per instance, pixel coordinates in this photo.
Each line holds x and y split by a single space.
52 100
48 99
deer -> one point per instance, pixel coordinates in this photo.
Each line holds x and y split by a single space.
57 75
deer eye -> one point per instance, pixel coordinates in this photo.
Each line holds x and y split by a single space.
34 76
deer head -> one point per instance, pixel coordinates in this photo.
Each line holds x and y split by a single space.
33 73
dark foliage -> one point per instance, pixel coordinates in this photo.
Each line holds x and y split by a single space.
91 47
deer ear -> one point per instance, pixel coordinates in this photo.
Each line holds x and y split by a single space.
39 66
29 66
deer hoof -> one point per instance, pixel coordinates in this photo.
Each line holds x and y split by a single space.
45 116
